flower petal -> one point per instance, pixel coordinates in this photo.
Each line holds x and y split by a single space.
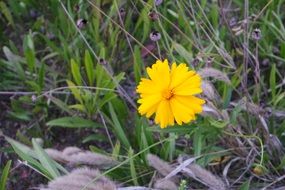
149 104
191 86
180 111
147 86
179 74
164 115
191 102
159 73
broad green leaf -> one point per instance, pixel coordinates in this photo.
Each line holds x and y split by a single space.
75 70
45 160
14 62
62 105
72 122
89 68
29 52
27 154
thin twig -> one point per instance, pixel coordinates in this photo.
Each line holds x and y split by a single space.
107 131
245 47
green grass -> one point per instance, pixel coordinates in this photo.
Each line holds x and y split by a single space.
56 75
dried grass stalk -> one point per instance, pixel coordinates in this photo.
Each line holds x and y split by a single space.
214 73
79 178
161 166
71 150
210 109
91 158
165 185
56 155
209 91
209 179
76 156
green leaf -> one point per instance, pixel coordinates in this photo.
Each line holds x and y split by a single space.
75 91
29 52
118 128
198 142
95 137
4 175
33 85
41 76
183 52
75 70
245 185
132 167
218 123
273 81
14 61
107 98
137 64
89 68
20 115
45 160
79 107
27 154
6 12
62 105
116 150
72 122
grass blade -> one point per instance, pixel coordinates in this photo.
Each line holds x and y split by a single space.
4 175
72 122
89 68
45 160
118 128
75 70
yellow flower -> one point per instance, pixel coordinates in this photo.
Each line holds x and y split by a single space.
169 93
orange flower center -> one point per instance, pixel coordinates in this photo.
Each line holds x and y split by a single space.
167 94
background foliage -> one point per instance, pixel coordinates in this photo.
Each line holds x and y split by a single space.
69 70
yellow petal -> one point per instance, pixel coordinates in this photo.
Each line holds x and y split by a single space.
191 86
159 73
149 104
180 111
191 102
179 74
147 86
164 115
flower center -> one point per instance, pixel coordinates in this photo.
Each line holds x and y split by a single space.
167 94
